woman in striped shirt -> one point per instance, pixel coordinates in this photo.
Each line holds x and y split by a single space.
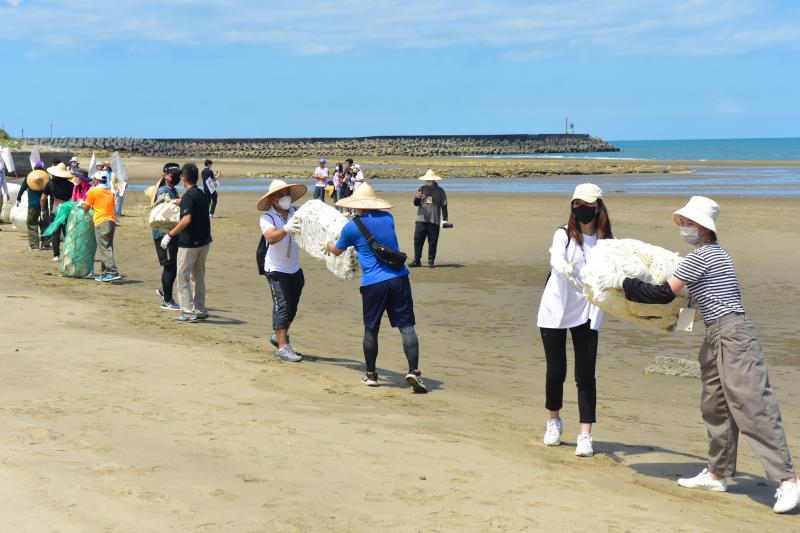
737 395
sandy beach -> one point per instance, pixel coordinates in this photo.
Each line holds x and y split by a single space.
115 418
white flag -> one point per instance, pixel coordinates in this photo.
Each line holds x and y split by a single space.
118 167
35 157
92 164
8 159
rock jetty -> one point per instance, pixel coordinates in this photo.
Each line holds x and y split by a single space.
405 146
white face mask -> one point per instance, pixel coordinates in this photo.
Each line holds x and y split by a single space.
285 202
690 234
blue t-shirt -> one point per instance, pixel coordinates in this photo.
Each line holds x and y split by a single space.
381 224
173 194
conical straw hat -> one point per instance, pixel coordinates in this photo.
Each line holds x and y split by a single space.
60 171
37 179
363 198
296 191
430 175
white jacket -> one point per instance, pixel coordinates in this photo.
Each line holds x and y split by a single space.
552 307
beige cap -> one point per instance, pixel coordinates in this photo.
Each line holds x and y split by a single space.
364 197
296 191
588 192
699 209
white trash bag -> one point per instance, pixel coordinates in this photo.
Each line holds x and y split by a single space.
5 213
635 259
164 217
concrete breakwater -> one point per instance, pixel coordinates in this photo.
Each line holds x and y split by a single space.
406 146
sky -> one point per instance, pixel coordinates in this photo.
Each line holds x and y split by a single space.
618 69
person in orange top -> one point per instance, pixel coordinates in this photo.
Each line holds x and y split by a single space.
101 200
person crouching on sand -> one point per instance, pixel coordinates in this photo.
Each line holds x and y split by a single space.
281 262
564 307
737 395
383 288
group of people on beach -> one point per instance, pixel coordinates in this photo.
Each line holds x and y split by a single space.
737 396
347 177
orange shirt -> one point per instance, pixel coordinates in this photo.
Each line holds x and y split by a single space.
101 200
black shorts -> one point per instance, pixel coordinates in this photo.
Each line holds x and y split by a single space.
394 297
168 257
286 290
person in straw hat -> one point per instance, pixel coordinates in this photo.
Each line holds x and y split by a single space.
37 220
58 190
431 202
281 262
737 396
164 191
100 200
383 288
74 164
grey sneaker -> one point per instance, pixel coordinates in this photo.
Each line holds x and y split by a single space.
170 306
287 354
186 318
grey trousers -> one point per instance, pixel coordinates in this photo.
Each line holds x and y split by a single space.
737 397
192 270
104 234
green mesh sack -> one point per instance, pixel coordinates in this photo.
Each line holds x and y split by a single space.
77 253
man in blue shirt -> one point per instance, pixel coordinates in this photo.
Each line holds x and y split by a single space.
383 288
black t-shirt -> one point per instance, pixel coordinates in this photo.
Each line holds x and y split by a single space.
207 173
198 232
59 188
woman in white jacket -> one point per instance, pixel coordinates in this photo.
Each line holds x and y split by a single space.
564 307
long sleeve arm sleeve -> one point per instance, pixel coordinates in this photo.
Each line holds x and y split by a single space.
22 189
647 293
558 251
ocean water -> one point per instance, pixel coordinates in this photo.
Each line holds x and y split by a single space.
782 149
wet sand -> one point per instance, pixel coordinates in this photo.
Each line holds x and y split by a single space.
117 419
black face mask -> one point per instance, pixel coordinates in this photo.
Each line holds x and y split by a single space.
584 214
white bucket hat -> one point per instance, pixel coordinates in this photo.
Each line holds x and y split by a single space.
588 192
296 191
364 197
430 175
699 209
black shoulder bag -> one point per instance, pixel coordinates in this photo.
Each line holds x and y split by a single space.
393 258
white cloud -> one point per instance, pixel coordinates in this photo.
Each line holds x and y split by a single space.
514 28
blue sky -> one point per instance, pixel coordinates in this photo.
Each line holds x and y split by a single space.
620 69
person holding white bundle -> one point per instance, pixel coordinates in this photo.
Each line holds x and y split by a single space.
737 395
564 307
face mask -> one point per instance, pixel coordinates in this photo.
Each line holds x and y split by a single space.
285 202
584 213
690 234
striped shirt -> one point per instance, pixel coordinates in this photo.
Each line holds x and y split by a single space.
711 279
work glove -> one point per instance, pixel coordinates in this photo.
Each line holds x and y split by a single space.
291 226
611 281
165 241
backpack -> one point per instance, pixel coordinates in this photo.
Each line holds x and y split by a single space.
261 251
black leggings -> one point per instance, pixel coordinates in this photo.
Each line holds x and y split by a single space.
410 346
584 341
213 206
168 274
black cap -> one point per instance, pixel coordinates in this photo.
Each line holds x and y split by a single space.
172 168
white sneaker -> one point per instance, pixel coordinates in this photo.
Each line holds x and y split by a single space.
787 497
584 447
703 480
552 435
56 259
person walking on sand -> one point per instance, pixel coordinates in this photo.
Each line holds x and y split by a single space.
338 177
37 220
281 262
564 307
167 257
194 241
100 200
737 395
431 202
320 180
210 179
58 190
384 288
81 184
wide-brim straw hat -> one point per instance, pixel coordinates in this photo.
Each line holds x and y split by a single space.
699 209
364 197
150 192
60 171
37 179
296 191
588 192
430 175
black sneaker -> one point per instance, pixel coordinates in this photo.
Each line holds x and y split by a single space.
414 264
414 379
430 264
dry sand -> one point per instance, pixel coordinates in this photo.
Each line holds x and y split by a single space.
115 418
